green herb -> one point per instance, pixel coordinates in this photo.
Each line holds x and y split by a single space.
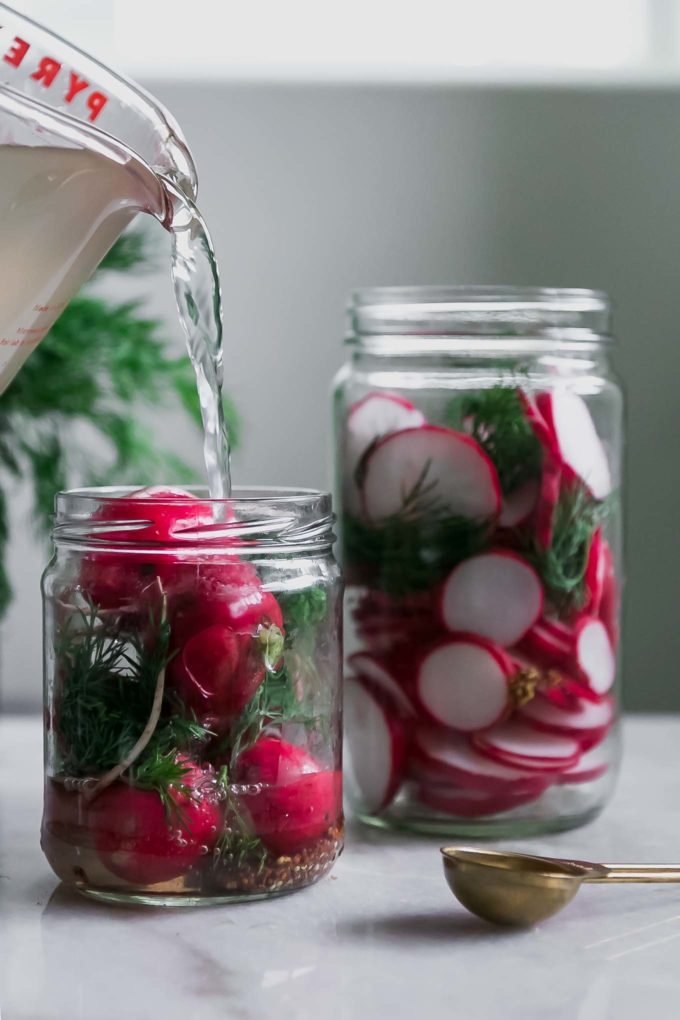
404 553
496 419
562 566
99 365
275 701
237 845
301 611
106 680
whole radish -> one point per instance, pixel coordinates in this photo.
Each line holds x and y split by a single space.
295 800
143 840
113 579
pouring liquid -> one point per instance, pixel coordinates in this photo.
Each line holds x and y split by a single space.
61 209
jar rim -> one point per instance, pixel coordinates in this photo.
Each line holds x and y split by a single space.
256 518
248 495
501 313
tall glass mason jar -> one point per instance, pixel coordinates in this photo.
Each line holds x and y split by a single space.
479 435
192 694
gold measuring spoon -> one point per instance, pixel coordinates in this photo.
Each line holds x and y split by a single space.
519 889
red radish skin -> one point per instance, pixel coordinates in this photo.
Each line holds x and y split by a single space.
114 580
298 799
445 757
464 803
580 448
595 573
217 663
370 418
462 683
515 743
594 655
609 604
371 668
549 494
217 673
546 648
496 595
462 476
519 505
586 720
551 476
377 744
138 840
592 765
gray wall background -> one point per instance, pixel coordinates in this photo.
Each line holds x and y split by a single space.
312 190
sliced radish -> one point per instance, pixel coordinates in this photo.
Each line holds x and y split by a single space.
609 603
579 445
497 595
546 647
463 683
440 756
449 466
592 765
595 655
519 505
518 744
541 429
474 803
586 717
374 416
595 573
371 668
549 494
560 631
377 745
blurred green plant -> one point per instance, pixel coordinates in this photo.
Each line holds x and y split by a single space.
98 366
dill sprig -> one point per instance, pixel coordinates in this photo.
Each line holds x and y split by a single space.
107 680
237 845
562 566
275 701
302 610
496 419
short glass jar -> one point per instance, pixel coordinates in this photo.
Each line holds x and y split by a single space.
192 694
479 436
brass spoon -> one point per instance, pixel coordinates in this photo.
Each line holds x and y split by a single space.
519 889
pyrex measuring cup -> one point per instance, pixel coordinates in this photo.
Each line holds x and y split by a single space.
82 151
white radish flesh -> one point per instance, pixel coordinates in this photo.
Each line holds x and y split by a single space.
374 416
519 504
377 745
497 595
449 757
579 445
518 744
449 467
462 684
370 667
595 655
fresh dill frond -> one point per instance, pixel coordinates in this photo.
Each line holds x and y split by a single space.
562 566
496 419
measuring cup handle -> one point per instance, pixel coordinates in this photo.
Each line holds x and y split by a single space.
637 873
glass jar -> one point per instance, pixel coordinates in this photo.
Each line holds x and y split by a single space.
479 435
192 694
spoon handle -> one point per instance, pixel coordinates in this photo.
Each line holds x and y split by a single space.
637 873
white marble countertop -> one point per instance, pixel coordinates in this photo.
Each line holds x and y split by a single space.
382 939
